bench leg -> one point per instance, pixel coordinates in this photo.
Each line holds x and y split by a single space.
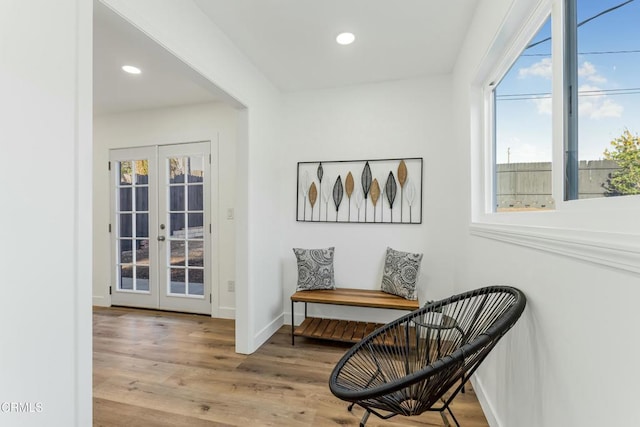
292 325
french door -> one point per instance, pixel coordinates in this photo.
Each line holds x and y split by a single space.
161 227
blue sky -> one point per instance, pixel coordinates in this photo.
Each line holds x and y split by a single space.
608 66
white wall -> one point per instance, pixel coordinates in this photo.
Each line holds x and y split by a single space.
45 256
409 118
182 28
570 360
214 122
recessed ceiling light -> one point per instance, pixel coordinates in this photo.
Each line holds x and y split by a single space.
131 69
345 38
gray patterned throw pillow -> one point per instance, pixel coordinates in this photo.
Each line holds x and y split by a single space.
315 269
401 273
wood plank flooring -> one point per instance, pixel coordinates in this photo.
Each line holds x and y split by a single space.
161 369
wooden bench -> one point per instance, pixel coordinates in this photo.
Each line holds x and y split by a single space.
343 330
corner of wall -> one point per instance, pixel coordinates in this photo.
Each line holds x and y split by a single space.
268 331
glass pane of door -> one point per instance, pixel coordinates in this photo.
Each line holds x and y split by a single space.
161 241
133 222
185 230
132 225
185 218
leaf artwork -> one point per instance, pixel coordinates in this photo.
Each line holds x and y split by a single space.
348 186
366 180
391 189
382 196
305 183
337 194
320 175
375 194
402 179
359 200
386 187
402 173
326 195
366 186
313 195
305 189
411 195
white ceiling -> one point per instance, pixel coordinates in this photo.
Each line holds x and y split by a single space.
165 81
291 41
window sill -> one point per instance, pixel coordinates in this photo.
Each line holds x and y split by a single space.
615 250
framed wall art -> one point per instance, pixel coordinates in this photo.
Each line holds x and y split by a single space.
383 191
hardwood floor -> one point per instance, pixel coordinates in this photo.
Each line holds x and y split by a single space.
160 369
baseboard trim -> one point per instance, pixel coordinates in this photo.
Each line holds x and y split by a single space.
226 313
485 403
266 332
101 301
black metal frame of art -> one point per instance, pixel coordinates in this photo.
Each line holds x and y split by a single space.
381 191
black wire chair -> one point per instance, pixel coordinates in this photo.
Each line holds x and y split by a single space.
413 364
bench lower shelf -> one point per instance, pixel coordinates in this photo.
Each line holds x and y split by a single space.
335 329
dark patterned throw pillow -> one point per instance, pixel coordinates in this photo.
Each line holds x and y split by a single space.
315 269
400 274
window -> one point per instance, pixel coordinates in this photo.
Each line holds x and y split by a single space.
523 137
604 72
600 103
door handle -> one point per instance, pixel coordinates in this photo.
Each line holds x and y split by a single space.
161 238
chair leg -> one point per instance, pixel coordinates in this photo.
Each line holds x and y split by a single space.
350 407
452 416
364 419
444 419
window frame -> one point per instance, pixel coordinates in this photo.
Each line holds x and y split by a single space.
516 32
505 61
581 228
571 161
